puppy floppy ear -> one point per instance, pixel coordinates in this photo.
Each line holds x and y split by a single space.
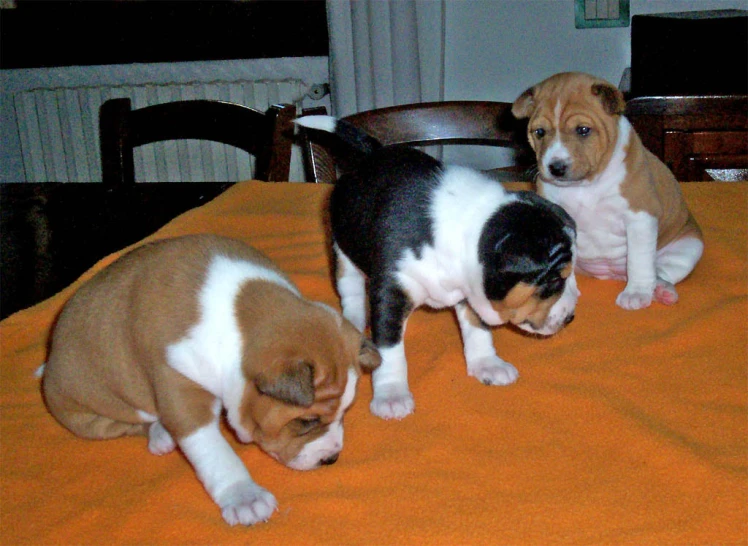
610 97
368 356
290 381
525 104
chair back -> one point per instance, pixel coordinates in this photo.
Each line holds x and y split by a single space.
265 135
423 124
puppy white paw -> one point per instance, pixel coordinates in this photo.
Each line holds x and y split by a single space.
160 441
634 298
665 292
246 503
392 402
492 370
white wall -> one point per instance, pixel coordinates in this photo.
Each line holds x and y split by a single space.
495 49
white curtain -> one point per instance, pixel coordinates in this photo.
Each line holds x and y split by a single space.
384 53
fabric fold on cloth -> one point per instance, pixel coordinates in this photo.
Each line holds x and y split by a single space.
628 427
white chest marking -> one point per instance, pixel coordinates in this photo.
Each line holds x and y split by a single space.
210 353
602 214
449 271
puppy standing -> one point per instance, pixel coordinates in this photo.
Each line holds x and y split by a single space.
410 231
632 221
162 340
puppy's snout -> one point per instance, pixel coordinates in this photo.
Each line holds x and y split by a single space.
569 319
558 168
330 460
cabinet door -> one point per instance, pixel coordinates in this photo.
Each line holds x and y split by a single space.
707 155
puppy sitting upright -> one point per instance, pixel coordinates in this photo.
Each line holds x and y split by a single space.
632 221
443 236
162 340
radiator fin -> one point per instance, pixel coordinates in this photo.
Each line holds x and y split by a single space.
59 131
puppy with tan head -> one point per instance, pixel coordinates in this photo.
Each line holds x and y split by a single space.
167 337
632 221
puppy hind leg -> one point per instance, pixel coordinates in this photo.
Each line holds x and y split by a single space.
97 427
86 423
673 264
392 396
482 361
665 292
351 285
160 441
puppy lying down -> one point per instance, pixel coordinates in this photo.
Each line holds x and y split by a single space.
169 336
409 231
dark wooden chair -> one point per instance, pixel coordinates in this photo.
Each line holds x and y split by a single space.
425 124
53 232
267 136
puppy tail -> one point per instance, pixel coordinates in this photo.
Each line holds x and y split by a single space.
345 131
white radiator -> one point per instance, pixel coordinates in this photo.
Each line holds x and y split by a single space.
59 132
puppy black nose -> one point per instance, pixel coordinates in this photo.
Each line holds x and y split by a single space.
558 168
569 319
330 460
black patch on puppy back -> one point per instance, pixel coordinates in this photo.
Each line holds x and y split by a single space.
528 241
382 208
377 213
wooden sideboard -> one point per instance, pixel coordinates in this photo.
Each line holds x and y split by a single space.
699 137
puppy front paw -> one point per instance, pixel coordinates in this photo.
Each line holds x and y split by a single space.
634 298
492 370
246 503
392 402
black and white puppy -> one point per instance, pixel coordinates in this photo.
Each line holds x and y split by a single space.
422 232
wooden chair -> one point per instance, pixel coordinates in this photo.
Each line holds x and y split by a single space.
424 124
267 136
53 232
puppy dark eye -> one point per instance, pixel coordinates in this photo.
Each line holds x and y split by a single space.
305 425
539 132
583 131
551 288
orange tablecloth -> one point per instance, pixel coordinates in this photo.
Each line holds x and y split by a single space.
627 427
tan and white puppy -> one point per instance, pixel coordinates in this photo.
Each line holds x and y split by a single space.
632 221
171 334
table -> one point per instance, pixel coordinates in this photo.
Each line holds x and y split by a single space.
626 427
